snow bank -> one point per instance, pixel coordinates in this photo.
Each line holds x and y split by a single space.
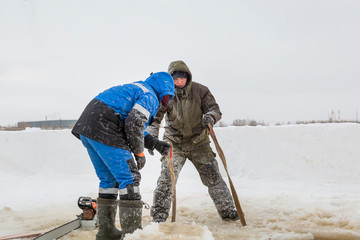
40 152
311 153
294 182
319 152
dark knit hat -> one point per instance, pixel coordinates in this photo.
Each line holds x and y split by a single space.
180 74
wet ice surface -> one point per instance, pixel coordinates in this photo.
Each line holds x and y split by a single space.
270 216
295 182
281 217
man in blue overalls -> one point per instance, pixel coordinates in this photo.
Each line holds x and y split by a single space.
112 129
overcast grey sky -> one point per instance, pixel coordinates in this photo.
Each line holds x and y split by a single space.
276 61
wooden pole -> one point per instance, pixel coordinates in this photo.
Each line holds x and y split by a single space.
173 182
233 191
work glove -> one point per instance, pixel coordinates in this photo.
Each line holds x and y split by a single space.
208 119
140 160
162 147
151 152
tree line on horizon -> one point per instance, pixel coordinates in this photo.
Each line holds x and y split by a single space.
332 118
254 123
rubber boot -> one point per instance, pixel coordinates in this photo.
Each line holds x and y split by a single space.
231 215
130 212
106 211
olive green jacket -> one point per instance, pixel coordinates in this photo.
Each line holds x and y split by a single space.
184 113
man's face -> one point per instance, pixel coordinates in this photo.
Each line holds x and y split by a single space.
180 82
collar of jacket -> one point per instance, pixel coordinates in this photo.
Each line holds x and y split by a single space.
183 92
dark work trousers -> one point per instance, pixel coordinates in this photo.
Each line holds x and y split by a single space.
203 158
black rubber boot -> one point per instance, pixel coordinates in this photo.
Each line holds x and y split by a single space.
106 211
130 212
230 215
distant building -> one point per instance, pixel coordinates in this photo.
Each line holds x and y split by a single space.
48 124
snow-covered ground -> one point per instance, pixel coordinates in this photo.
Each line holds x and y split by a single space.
297 182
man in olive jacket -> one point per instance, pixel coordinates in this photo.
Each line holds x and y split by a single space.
187 116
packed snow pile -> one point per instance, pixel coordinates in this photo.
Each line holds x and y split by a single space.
294 182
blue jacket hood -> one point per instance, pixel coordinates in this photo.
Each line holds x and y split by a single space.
162 84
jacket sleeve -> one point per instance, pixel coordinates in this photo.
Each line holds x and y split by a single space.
209 106
134 127
153 129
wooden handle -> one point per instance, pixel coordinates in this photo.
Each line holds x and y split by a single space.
233 191
173 182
